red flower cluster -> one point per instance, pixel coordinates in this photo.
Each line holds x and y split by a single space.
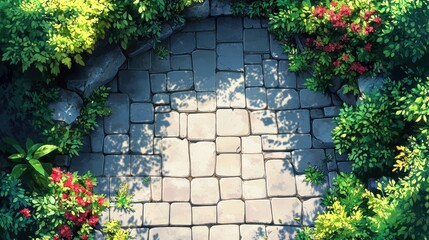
345 10
355 28
331 47
368 47
25 212
65 232
56 174
319 11
377 20
368 14
369 29
337 20
358 67
336 63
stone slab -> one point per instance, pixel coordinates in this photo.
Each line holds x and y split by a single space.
136 84
293 121
283 142
141 138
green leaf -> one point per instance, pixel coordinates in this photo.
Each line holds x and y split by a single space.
16 156
28 144
14 144
44 150
37 166
34 148
18 170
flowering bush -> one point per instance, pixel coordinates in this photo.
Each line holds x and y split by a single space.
70 210
349 38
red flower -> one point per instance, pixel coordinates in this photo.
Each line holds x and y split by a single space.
56 174
308 41
25 212
101 201
337 21
65 231
319 11
69 182
334 4
88 193
79 188
358 67
369 29
355 28
69 216
93 220
336 63
345 10
377 20
368 14
89 183
318 43
56 237
65 196
84 237
345 57
80 201
368 47
345 38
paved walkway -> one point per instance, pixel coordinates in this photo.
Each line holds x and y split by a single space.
214 139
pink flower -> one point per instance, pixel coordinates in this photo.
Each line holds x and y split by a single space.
93 220
25 212
84 237
319 11
334 4
345 10
355 28
56 174
377 20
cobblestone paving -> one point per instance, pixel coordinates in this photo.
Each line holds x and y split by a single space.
214 139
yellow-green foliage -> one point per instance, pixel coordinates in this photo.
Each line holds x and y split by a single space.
113 231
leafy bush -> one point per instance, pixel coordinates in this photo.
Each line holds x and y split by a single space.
314 175
70 208
369 132
259 8
113 231
14 214
349 38
27 162
123 199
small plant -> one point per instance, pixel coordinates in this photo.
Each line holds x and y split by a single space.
304 233
314 175
162 52
113 231
123 199
238 8
28 160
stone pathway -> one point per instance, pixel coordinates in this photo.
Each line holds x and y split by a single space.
214 139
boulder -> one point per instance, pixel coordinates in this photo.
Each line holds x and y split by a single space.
220 7
67 107
198 10
369 84
100 69
348 98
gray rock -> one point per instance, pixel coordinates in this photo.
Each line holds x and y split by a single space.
345 167
368 84
256 40
264 23
287 79
204 62
141 112
293 121
331 177
230 56
322 129
335 84
198 10
139 47
158 82
372 184
183 43
229 29
162 109
283 142
301 78
230 90
252 22
307 189
304 158
316 113
220 7
282 99
118 121
67 107
252 59
97 137
331 111
180 80
256 98
270 73
206 40
113 85
254 77
332 163
93 162
184 101
276 49
166 31
117 165
181 62
311 208
348 98
141 61
99 69
310 99
62 160
159 65
141 138
161 99
207 24
136 84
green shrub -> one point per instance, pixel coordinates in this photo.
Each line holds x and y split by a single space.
369 132
259 8
349 38
113 231
13 200
314 175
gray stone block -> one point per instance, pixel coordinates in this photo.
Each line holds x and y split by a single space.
304 158
270 73
181 62
180 80
229 29
348 98
333 111
117 165
93 162
345 167
67 107
184 101
159 65
230 57
307 189
145 165
182 43
136 84
207 24
283 142
256 98
252 59
230 90
141 138
287 79
311 208
204 62
220 7
322 129
198 10
116 144
158 82
252 22
206 40
282 99
162 109
256 40
310 99
254 76
97 137
316 113
161 98
294 121
118 121
277 49
142 112
141 61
